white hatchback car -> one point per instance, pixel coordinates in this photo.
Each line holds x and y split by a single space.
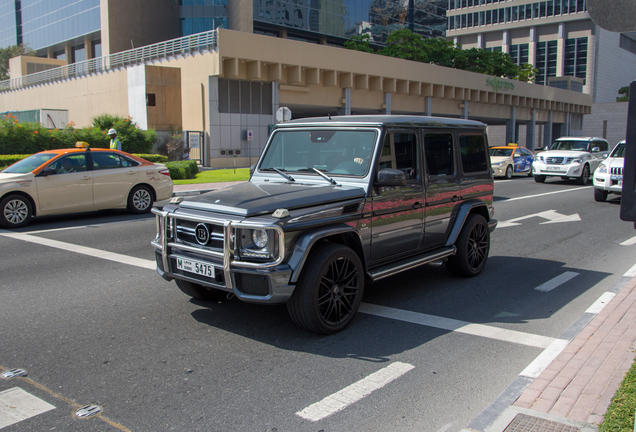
570 157
608 177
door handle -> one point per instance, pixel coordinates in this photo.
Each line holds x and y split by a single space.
131 172
455 198
86 178
417 205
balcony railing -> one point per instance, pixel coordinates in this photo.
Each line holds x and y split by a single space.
200 42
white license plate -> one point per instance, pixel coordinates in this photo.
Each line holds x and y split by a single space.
553 168
196 267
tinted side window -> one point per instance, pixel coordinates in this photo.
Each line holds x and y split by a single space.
70 164
400 152
525 152
438 149
103 160
602 145
473 151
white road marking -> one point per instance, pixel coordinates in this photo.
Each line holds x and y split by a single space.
490 332
96 253
557 281
17 405
540 195
631 272
599 304
552 216
355 392
631 241
544 359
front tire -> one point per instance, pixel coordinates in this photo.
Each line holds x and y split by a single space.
600 195
473 245
509 172
329 291
140 200
15 211
585 176
539 178
198 291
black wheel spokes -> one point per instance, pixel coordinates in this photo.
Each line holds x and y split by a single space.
338 290
477 246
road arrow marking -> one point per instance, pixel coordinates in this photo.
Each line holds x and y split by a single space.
552 216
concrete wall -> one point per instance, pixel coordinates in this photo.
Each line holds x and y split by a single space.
127 24
165 84
615 113
615 67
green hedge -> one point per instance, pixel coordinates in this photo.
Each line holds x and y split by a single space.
154 158
182 170
21 138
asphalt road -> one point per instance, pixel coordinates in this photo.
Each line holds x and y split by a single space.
86 315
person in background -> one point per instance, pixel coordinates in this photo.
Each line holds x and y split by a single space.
115 144
186 153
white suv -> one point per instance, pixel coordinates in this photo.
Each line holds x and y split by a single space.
570 157
608 177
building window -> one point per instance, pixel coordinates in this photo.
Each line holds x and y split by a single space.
545 61
628 44
245 97
151 100
575 58
519 53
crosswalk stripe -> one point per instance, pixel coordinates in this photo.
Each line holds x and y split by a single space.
17 405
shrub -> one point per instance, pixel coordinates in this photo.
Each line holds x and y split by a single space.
6 160
182 170
155 158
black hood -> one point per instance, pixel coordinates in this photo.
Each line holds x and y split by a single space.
251 199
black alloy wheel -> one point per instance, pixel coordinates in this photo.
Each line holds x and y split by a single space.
329 291
473 246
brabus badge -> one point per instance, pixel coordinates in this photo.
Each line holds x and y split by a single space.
202 234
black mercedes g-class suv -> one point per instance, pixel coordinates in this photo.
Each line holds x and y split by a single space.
332 204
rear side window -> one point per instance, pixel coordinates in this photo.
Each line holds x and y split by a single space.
438 150
473 151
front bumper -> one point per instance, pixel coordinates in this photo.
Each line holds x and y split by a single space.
499 170
249 281
608 182
570 170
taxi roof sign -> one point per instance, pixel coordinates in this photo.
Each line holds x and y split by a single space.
513 145
81 144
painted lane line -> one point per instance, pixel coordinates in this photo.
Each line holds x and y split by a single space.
355 392
540 195
543 360
630 242
631 272
17 405
599 304
96 253
557 281
464 327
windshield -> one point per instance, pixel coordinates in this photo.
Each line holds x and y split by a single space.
576 145
500 152
344 152
619 151
28 164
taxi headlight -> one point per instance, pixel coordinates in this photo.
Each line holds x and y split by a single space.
496 163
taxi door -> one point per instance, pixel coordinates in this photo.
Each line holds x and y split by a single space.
398 211
113 177
68 189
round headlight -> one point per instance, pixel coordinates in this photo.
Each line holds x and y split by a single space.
259 237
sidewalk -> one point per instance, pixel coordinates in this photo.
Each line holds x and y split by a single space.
572 393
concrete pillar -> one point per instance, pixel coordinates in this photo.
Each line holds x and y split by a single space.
505 42
530 130
480 40
240 15
547 130
429 105
465 110
565 127
511 126
88 48
532 46
346 108
560 50
387 103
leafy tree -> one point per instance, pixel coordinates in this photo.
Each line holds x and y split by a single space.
10 52
406 45
360 43
527 73
624 91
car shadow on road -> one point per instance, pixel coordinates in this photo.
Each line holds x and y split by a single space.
503 296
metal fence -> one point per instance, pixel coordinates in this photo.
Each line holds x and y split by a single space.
200 42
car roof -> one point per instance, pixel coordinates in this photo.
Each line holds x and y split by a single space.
383 120
579 138
505 147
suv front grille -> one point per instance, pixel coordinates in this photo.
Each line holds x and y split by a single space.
200 234
554 160
616 171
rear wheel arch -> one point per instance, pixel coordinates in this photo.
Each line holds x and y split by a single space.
464 211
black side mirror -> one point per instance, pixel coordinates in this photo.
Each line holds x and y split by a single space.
47 172
390 177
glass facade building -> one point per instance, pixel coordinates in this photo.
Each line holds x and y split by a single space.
197 16
8 26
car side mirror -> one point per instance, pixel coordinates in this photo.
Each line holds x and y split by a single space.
596 149
390 177
252 168
546 148
47 172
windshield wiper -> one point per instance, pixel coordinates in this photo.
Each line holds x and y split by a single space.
323 175
287 176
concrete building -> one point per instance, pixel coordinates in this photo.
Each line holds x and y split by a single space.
226 85
559 38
